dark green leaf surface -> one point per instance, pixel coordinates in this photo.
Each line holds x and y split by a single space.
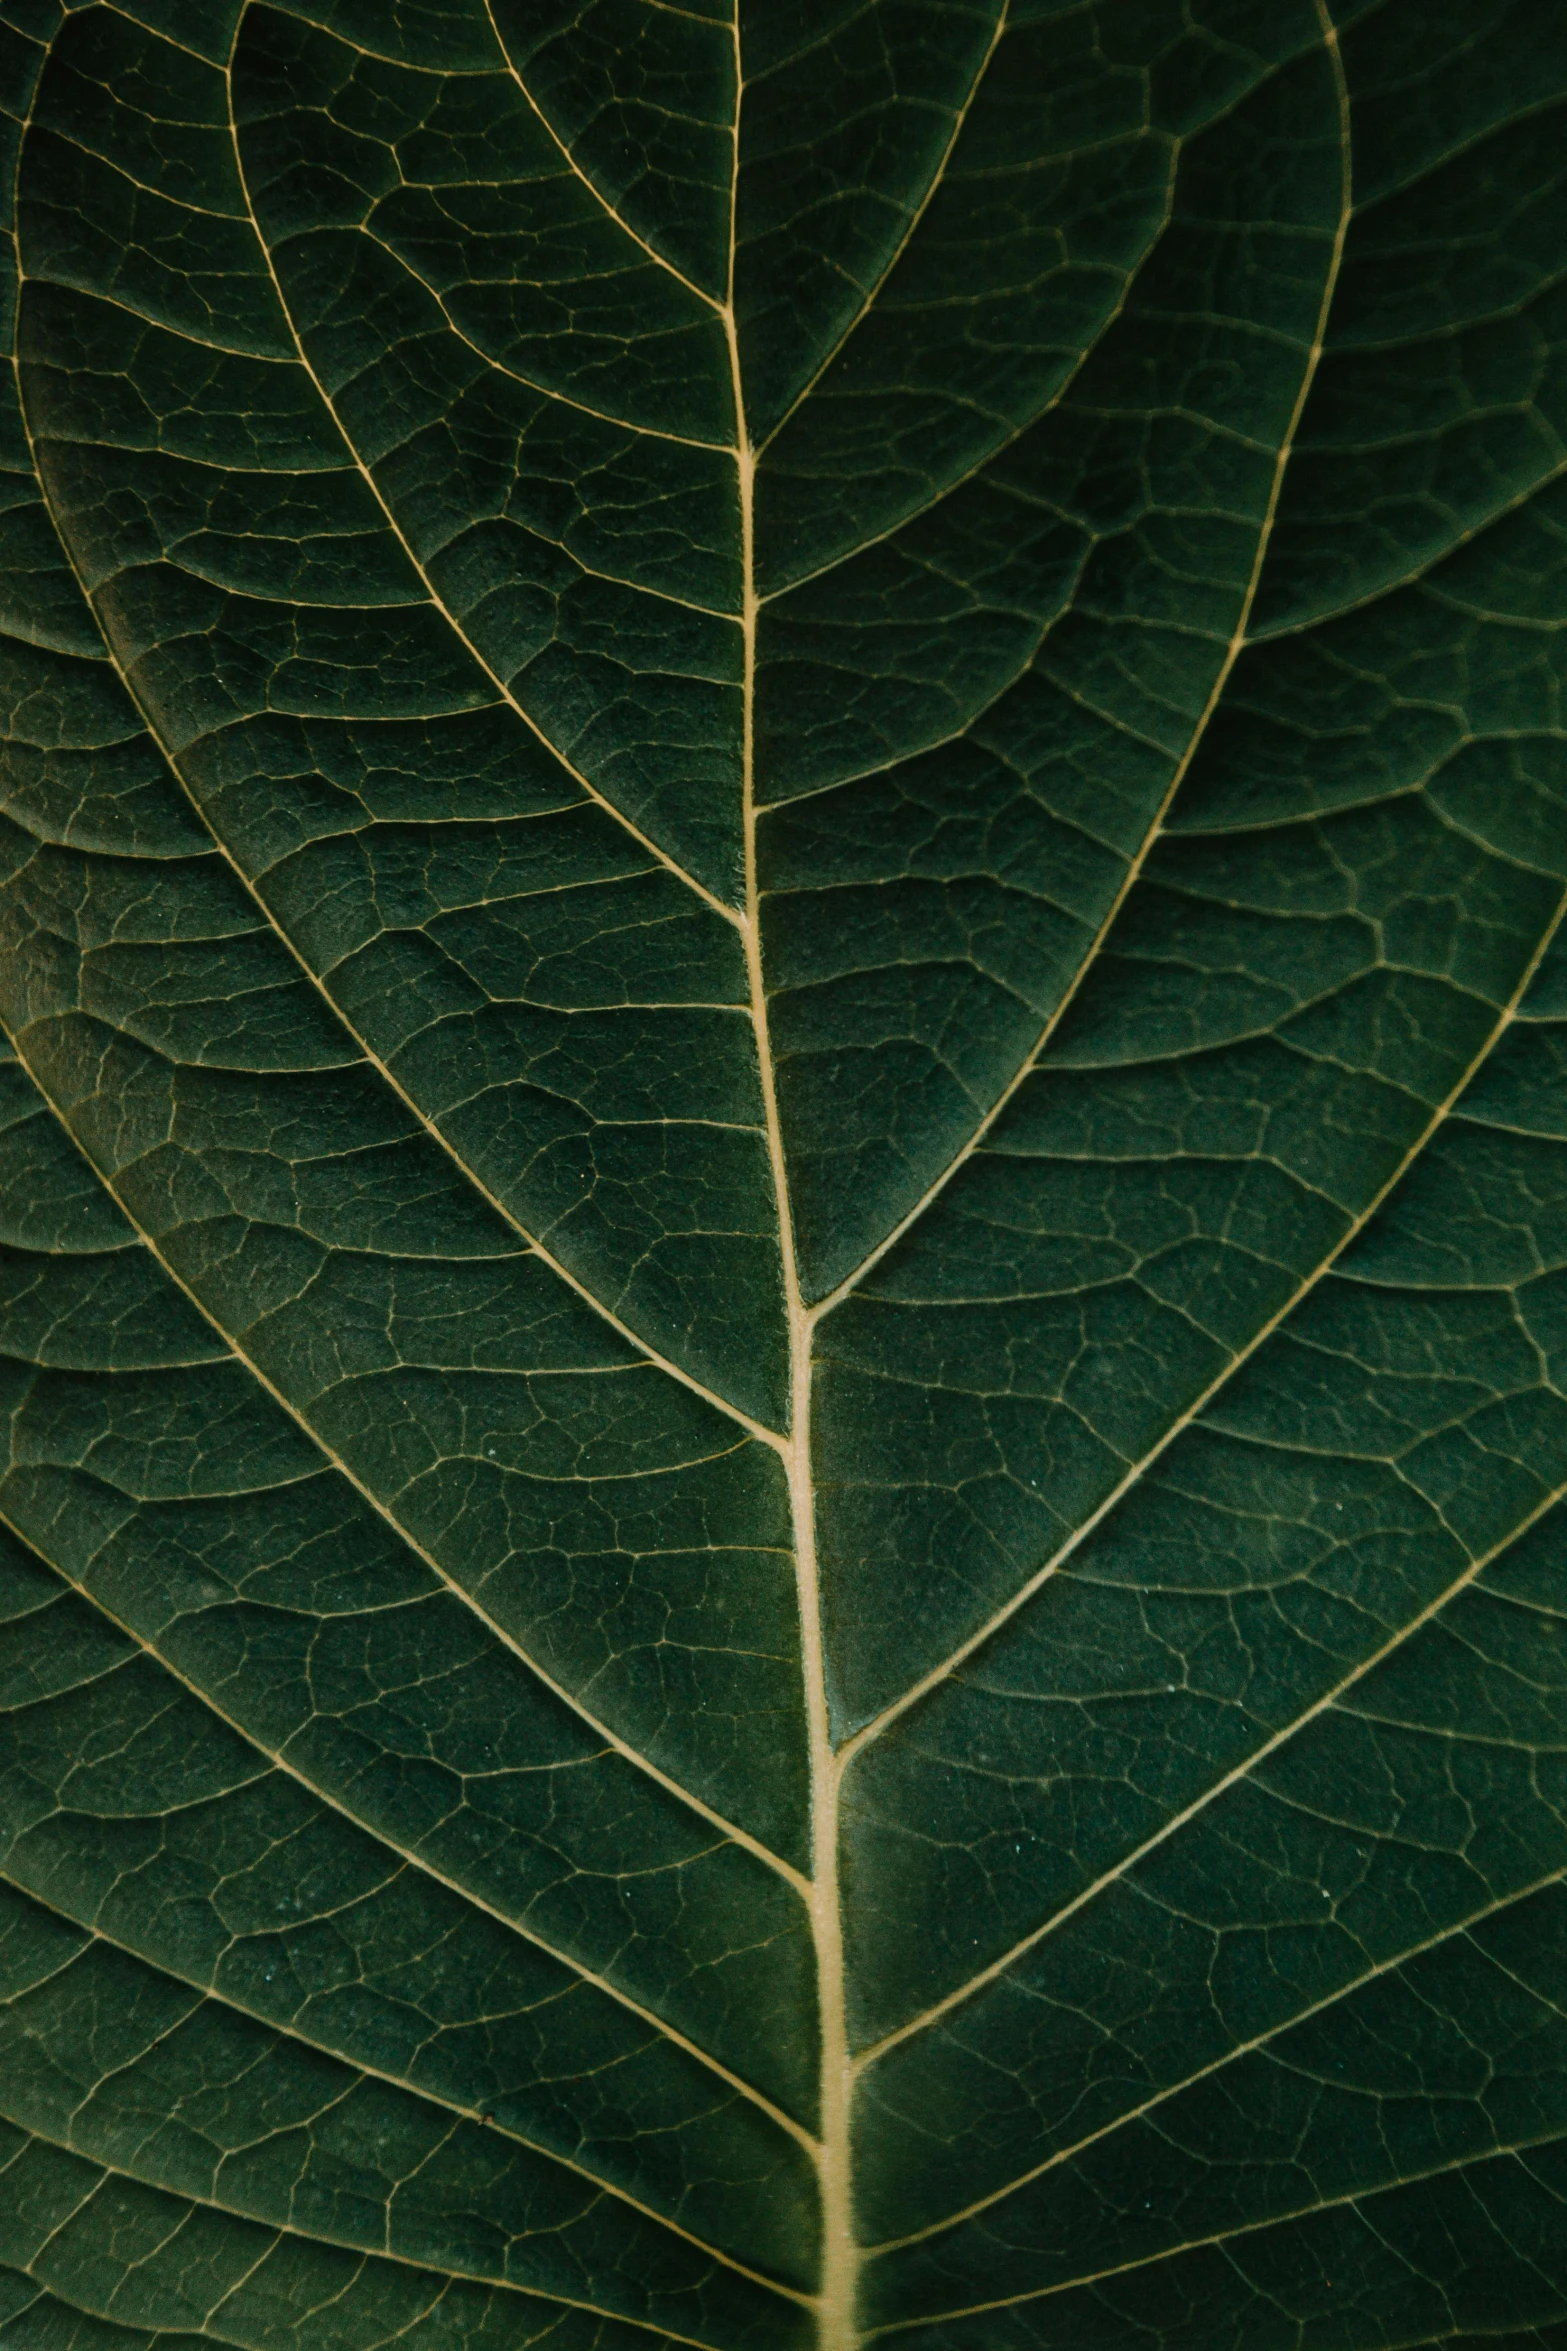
783 1175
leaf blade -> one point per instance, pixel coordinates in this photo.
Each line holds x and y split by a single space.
1037 852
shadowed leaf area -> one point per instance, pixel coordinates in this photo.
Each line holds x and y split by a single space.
783 1175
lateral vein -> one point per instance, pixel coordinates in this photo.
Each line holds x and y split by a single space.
291 2031
277 1760
601 1730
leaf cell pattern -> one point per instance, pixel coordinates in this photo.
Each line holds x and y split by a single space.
783 1175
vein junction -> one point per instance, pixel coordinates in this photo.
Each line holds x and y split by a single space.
1092 1382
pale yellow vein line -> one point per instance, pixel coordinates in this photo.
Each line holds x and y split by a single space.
634 1338
276 1759
622 1747
835 2301
1500 2152
595 192
384 1511
934 183
112 7
645 840
623 424
1009 437
1242 2049
361 2066
1232 654
428 1126
650 1355
66 2219
1420 577
1183 1421
1210 1795
233 2292
285 2231
938 1674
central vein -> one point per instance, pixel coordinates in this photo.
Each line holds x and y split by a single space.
840 2255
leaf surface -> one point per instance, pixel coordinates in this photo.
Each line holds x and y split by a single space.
783 1176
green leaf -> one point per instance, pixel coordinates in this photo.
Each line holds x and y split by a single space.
783 1175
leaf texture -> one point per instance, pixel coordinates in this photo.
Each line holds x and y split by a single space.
783 1175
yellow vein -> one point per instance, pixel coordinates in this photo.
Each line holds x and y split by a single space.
595 192
1232 654
1210 1795
645 840
232 2293
757 1429
634 1338
207 2327
292 2031
1139 1468
938 175
66 2219
623 424
1502 2152
114 8
277 1760
1010 435
282 2230
938 1674
840 2252
651 1355
1202 2073
601 1730
1420 576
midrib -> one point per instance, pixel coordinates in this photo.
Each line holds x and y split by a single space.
840 2255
